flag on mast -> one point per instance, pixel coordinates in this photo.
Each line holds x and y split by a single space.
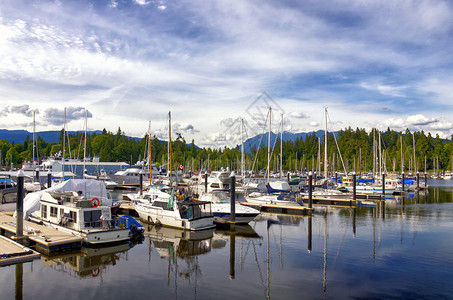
181 166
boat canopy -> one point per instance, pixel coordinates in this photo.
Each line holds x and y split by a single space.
89 188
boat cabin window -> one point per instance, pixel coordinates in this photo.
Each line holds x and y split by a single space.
215 185
53 212
44 211
92 218
162 204
73 216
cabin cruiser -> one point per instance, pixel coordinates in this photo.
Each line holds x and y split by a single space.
80 216
184 214
221 206
132 175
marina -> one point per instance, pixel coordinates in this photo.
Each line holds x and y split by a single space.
401 248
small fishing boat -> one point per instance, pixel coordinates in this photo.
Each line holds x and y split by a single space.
84 217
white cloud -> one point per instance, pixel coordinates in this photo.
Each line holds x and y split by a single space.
298 115
142 2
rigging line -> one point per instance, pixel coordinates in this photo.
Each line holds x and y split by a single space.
338 148
258 264
257 150
341 243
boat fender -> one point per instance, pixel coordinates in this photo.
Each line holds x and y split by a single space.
95 272
95 202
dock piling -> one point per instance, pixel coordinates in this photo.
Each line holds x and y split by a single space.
49 179
20 206
354 188
402 181
418 181
233 197
37 175
383 184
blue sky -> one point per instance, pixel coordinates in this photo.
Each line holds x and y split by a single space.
372 63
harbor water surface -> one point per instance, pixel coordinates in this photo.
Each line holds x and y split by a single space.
400 249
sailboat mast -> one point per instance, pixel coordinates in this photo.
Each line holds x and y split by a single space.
380 155
269 146
85 143
64 138
242 151
149 152
281 149
169 147
402 158
34 141
415 163
325 148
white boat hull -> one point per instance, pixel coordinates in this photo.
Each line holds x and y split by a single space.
156 215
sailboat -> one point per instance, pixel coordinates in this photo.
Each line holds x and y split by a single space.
184 214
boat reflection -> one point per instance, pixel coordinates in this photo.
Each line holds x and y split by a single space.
173 243
90 262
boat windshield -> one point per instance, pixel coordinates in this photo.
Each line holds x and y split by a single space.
220 197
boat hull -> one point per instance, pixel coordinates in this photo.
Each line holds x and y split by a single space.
165 218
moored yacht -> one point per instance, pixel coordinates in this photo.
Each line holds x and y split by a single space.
221 206
186 214
80 216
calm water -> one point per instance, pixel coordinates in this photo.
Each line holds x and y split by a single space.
401 250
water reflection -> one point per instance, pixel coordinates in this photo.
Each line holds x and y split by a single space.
90 262
400 248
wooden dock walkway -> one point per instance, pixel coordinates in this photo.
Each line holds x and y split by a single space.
282 209
12 252
336 202
44 238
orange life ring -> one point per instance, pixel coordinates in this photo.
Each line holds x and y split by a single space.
95 202
95 272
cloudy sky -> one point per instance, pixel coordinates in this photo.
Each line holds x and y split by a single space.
127 62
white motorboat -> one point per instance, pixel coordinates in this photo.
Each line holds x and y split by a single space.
221 206
80 216
190 215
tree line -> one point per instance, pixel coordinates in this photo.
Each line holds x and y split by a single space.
350 150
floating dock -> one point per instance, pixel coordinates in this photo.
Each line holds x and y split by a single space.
44 238
282 209
331 202
12 252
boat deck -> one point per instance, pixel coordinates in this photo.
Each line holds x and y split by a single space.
45 239
12 252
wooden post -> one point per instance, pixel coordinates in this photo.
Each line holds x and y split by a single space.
310 190
49 179
233 197
418 181
354 188
383 185
20 206
336 178
402 182
37 174
206 182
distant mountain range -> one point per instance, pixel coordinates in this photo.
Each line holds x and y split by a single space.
19 136
287 136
